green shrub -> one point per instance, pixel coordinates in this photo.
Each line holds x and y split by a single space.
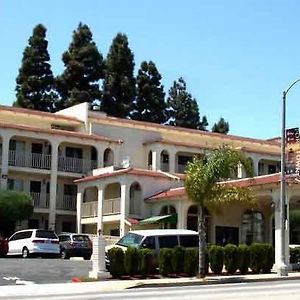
294 255
216 258
146 261
256 257
131 261
116 258
165 261
268 258
191 261
243 258
178 259
230 258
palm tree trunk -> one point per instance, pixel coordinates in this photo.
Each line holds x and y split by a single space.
202 241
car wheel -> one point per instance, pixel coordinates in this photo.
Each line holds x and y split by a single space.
87 257
25 253
63 254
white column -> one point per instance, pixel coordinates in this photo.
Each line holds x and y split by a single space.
100 152
181 216
100 210
4 162
53 185
123 209
156 159
172 162
255 166
78 208
241 171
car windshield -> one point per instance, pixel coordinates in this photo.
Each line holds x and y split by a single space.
81 238
130 240
45 234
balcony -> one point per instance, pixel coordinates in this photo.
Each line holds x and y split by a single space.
110 207
32 160
76 165
66 202
40 200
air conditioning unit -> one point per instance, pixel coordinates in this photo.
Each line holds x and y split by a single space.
125 163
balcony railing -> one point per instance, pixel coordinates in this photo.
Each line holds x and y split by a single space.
89 209
31 160
111 206
181 168
75 165
40 200
66 202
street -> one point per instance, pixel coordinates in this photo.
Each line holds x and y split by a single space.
38 270
255 290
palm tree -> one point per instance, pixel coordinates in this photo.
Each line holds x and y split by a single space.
206 186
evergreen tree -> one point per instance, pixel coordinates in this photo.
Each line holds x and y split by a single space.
35 81
150 99
182 109
119 83
221 127
83 69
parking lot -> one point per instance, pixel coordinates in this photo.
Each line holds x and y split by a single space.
40 270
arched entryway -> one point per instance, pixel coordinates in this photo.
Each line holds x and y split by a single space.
108 158
135 199
169 210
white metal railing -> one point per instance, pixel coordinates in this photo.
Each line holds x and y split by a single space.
89 209
111 206
31 160
66 202
75 165
40 200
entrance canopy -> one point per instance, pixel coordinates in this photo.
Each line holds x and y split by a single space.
160 219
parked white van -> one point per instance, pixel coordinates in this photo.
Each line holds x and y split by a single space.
157 239
33 242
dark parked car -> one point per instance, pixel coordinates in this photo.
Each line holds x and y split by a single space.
3 246
75 244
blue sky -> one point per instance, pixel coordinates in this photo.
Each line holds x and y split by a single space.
237 56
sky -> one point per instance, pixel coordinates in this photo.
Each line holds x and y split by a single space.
236 56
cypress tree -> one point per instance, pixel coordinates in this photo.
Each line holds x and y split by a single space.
182 108
35 81
119 83
150 103
221 127
83 69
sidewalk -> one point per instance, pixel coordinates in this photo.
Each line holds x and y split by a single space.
81 288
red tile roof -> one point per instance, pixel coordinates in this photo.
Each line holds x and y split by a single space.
60 132
245 182
129 171
38 113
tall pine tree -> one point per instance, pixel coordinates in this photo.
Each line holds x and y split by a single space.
83 70
119 83
149 104
182 108
221 127
35 81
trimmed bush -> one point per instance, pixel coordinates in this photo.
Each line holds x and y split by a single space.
243 258
268 258
256 257
216 258
178 259
230 258
116 258
131 261
146 261
165 261
191 261
294 255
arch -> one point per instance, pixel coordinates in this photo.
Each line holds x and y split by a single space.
253 227
168 210
149 162
135 199
108 157
164 161
267 166
112 191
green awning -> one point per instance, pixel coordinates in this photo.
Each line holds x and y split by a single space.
160 219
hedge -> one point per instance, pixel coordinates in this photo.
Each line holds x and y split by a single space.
165 261
243 258
116 258
230 258
131 261
216 258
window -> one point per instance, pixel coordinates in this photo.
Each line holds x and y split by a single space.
168 241
149 242
253 227
73 152
189 240
70 189
45 234
15 184
271 169
130 239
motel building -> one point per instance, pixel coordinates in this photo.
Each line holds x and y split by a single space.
87 171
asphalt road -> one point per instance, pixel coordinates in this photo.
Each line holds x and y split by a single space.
253 290
40 270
